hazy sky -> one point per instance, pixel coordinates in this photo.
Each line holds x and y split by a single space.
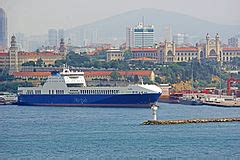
37 16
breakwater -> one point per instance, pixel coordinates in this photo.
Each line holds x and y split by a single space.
186 121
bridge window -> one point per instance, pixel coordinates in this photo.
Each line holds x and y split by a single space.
37 91
29 92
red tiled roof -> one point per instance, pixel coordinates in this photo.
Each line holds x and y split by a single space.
231 49
42 54
4 54
143 59
31 74
122 73
144 49
97 73
138 73
187 49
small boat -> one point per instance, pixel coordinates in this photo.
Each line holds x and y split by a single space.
8 98
190 101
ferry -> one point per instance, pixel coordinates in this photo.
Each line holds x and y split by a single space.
68 88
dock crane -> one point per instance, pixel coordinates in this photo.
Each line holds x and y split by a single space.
229 82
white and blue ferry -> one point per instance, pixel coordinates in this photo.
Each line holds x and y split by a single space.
69 89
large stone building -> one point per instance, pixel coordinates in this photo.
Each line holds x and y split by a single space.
114 55
13 59
168 52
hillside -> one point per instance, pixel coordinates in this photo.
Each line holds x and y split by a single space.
115 26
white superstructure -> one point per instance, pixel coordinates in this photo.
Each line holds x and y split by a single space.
70 82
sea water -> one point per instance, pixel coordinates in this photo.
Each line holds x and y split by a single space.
116 133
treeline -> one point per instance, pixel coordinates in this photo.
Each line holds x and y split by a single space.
203 74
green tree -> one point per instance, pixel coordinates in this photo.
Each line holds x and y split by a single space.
29 63
40 62
115 75
127 55
59 63
136 79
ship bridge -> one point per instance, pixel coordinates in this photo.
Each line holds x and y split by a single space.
73 78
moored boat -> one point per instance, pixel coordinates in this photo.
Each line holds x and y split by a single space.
8 98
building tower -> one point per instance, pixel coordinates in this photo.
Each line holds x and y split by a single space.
61 34
13 56
52 37
129 37
213 48
169 51
207 44
62 48
168 33
218 45
3 29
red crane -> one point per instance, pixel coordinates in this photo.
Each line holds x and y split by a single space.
229 82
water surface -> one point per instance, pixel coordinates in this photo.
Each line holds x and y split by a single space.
116 133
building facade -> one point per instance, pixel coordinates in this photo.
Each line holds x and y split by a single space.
140 36
93 75
13 59
114 55
169 52
3 29
145 52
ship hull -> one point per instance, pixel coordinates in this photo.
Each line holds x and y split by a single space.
81 100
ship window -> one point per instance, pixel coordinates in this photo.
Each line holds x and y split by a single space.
49 91
37 91
52 91
20 91
29 91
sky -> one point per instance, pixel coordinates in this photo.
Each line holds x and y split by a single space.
34 17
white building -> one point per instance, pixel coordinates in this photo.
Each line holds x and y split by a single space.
140 36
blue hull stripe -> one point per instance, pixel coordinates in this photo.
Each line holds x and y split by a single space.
120 100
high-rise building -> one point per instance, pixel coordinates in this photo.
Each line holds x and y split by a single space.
140 36
168 33
61 35
21 41
233 42
3 29
129 37
180 38
52 37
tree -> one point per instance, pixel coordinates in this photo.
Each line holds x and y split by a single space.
59 63
77 60
115 75
127 55
136 79
40 62
29 63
